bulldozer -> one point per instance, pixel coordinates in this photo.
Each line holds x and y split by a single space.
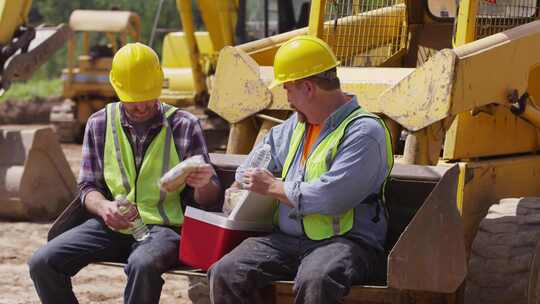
86 86
458 85
36 182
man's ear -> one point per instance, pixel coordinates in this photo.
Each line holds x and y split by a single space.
309 87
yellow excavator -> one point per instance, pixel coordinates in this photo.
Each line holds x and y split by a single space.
36 182
190 56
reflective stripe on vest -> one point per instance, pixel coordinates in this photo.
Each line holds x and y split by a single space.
318 226
122 178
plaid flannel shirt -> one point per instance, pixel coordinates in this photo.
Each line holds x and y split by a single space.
187 134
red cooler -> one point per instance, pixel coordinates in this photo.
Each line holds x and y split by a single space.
207 236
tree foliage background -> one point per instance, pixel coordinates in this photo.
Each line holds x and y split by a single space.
53 12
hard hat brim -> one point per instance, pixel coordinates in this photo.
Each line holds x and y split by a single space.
130 96
274 84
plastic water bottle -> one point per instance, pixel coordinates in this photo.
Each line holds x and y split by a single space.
129 211
258 158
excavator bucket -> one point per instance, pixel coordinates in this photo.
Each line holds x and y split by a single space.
426 231
41 43
36 182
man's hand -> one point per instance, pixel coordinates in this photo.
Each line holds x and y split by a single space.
259 180
263 182
98 205
200 177
111 215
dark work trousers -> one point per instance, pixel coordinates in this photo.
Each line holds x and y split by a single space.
323 271
53 265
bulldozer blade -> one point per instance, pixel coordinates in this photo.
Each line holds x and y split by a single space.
429 255
36 182
47 41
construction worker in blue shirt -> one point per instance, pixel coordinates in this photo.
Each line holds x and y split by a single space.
334 158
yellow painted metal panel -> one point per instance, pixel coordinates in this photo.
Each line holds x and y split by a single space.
264 57
12 15
175 52
366 83
470 76
263 50
185 10
238 76
219 18
486 182
105 21
489 67
424 96
489 134
316 17
534 84
178 79
466 22
238 91
509 57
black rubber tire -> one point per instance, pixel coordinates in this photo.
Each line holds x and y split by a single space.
502 252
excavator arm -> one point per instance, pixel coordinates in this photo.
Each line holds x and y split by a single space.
24 48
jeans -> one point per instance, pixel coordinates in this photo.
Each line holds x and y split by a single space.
323 271
53 265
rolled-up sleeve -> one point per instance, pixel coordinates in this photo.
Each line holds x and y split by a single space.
357 171
189 140
193 141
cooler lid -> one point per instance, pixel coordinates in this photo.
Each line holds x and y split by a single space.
254 208
219 219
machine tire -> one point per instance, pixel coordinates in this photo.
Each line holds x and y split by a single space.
502 252
533 296
198 290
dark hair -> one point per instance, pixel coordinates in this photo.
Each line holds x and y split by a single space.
326 80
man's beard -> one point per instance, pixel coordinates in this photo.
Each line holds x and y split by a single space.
301 117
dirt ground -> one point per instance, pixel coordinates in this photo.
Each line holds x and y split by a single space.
94 284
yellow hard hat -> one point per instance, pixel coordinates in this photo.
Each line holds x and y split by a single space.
301 57
136 74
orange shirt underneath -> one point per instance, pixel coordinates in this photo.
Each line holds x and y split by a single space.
312 134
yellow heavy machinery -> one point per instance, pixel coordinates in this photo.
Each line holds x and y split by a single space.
36 182
190 56
462 84
86 76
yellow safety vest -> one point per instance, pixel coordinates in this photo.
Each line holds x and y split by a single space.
319 226
141 187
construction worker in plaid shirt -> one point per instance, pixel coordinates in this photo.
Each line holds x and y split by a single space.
127 147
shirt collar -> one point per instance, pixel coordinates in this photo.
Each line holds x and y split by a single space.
341 113
155 122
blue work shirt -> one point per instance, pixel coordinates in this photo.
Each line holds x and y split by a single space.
356 173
